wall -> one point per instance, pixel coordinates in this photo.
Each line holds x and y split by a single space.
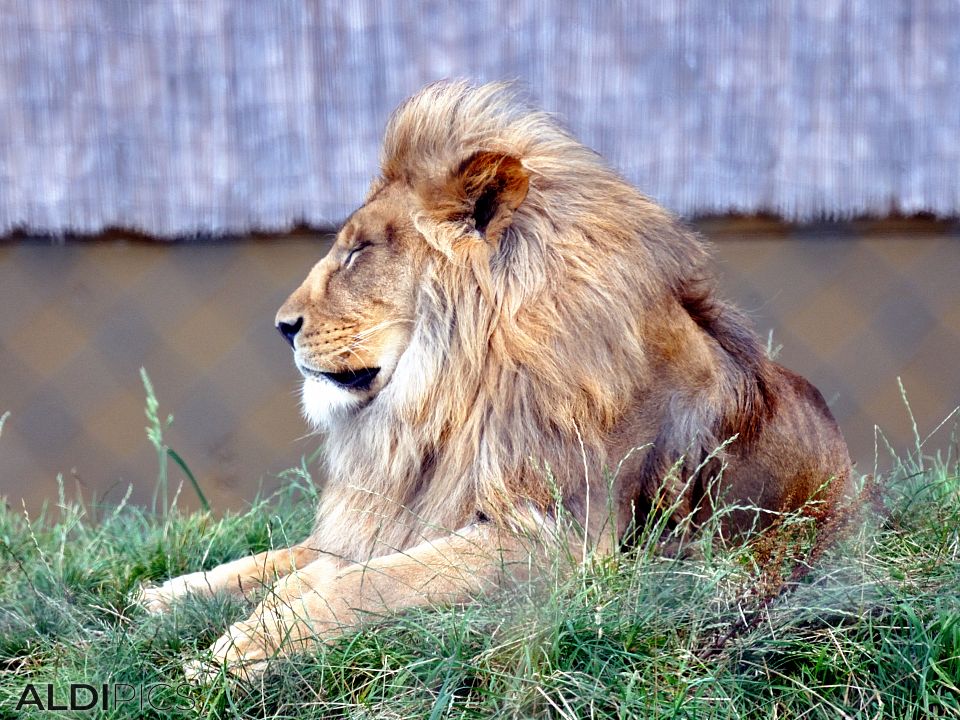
854 306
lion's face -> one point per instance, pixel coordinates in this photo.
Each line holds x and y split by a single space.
351 319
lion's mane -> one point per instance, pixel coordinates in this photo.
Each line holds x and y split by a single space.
524 355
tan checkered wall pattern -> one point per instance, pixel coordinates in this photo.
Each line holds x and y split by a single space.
853 305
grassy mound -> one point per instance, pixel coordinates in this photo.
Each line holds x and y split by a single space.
872 630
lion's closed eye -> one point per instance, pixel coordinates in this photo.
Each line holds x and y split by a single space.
354 254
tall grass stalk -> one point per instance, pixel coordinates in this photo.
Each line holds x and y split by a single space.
155 428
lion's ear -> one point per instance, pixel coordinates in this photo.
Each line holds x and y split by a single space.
490 186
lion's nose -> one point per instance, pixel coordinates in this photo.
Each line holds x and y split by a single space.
290 330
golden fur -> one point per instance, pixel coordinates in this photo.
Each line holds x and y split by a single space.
538 330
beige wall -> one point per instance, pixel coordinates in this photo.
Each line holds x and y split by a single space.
854 306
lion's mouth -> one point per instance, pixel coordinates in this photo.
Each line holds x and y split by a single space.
352 379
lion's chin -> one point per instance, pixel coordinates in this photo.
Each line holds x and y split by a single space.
325 403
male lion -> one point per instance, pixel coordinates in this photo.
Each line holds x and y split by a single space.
507 328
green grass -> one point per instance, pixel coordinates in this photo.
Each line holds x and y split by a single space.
873 631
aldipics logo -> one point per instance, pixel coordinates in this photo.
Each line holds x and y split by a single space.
159 697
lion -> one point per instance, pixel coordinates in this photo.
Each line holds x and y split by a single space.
504 331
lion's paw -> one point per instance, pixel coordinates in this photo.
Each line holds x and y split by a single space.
154 599
237 652
158 599
205 672
200 672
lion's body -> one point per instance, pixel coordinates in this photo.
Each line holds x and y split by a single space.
536 330
597 332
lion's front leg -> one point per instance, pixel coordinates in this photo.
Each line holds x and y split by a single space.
241 577
318 602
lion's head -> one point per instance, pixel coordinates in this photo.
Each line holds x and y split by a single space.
353 318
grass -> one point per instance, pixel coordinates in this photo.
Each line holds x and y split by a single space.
872 631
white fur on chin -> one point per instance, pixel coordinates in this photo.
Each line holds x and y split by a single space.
324 403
